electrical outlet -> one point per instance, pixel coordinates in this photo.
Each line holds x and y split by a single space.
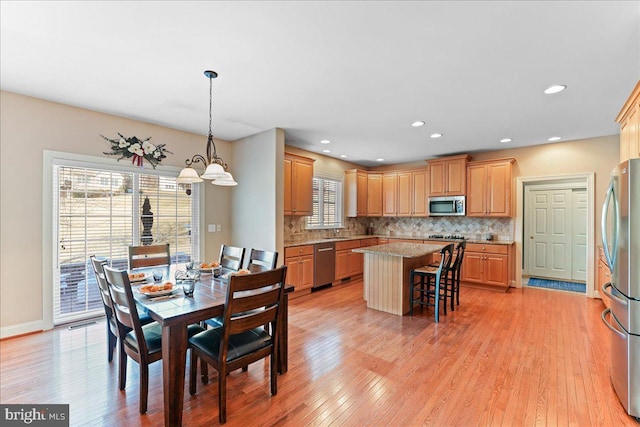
219 227
212 228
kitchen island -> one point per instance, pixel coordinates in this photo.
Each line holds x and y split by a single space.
387 271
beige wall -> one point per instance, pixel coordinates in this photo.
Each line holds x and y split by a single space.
256 220
28 126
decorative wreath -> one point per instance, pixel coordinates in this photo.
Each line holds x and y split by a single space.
137 150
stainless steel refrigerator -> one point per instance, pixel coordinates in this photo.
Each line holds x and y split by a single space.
621 244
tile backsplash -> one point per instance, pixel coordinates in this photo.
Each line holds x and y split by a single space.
472 228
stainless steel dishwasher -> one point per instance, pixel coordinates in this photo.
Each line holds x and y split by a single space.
324 270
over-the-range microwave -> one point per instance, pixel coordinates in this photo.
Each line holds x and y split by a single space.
446 206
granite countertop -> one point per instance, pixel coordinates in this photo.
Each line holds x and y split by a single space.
402 249
288 244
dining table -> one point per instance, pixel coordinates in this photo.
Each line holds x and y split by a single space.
174 312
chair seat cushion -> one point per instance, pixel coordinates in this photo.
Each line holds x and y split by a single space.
239 345
153 336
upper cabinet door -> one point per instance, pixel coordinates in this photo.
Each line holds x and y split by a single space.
476 204
374 194
448 177
629 119
288 170
420 192
389 194
405 194
438 180
489 188
298 185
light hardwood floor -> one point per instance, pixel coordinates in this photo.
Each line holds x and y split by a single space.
528 357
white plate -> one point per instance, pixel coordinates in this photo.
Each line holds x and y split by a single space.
157 293
140 279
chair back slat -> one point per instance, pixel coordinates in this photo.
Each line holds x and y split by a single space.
148 256
124 304
231 257
262 260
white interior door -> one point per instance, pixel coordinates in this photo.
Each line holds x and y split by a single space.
579 235
550 236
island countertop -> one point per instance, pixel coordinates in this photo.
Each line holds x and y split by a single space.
402 249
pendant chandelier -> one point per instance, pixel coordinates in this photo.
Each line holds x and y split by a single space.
215 168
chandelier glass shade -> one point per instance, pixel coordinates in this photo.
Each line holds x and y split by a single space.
215 168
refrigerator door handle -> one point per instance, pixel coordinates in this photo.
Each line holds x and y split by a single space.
611 257
614 329
605 290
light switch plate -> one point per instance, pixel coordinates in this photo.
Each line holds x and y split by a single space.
219 227
212 228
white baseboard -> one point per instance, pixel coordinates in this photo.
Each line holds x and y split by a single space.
22 328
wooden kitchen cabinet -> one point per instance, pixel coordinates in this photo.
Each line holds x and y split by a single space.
299 262
298 185
374 194
487 265
604 276
348 263
489 188
412 193
355 198
389 194
448 176
629 119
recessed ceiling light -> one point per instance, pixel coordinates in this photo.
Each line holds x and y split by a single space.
417 124
344 156
554 89
325 141
503 140
555 138
326 151
435 135
380 159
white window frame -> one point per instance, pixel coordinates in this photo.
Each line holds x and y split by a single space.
339 204
49 245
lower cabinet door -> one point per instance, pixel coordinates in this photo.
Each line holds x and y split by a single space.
306 272
293 272
355 263
495 269
342 264
472 266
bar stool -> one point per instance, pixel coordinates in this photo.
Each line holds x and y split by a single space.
435 285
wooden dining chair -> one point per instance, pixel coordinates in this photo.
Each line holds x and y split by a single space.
113 331
456 269
112 325
142 343
231 257
262 260
148 256
432 284
252 301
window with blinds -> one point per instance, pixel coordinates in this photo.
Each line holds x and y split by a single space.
327 204
101 212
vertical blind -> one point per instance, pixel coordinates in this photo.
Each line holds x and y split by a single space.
327 204
99 212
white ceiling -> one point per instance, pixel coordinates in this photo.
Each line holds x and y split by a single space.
356 73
